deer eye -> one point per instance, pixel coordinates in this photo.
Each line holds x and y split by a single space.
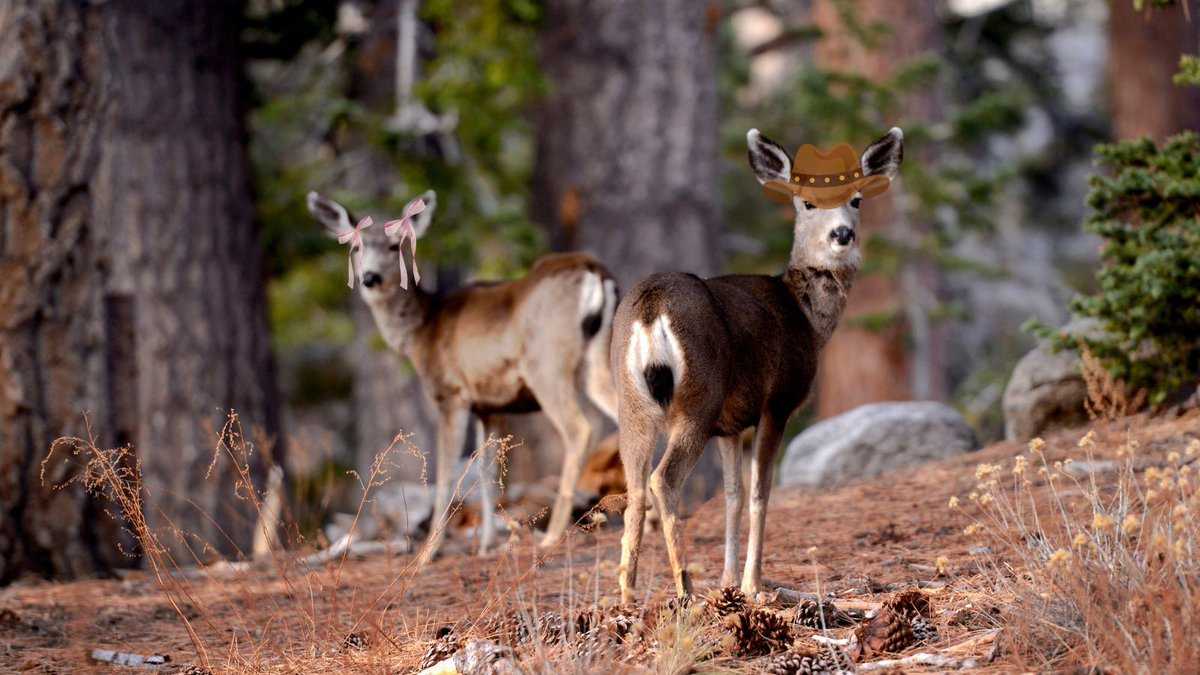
856 202
394 247
808 206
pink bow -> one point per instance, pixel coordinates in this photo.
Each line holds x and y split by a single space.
355 238
407 231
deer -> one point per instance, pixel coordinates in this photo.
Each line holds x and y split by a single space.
536 343
699 358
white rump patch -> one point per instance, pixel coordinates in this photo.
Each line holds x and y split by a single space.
655 344
591 295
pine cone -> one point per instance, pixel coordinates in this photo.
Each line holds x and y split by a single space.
819 616
910 602
505 627
757 631
886 633
825 660
193 669
356 641
620 621
446 644
552 628
587 620
727 601
923 630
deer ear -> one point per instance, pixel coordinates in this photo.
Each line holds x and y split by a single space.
422 220
884 156
329 214
768 159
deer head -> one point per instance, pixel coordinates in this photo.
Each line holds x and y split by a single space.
825 238
381 255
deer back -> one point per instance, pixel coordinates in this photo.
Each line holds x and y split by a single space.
746 345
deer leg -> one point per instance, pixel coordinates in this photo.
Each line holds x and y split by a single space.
685 444
735 501
451 431
637 450
487 481
559 400
766 443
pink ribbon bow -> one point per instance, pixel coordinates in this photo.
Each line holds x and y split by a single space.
354 237
407 231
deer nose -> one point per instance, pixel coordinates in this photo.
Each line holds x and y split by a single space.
372 279
843 235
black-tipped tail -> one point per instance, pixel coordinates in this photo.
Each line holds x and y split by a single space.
661 382
591 325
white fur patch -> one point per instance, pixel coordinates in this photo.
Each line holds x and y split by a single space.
650 345
591 295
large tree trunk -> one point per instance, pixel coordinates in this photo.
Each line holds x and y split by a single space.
1143 57
904 360
174 187
626 163
627 141
54 322
131 278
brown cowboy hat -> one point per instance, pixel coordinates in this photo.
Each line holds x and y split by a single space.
826 179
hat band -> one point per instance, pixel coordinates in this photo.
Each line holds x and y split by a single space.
826 179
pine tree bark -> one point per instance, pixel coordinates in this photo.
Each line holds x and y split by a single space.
626 164
903 361
130 282
1143 57
53 323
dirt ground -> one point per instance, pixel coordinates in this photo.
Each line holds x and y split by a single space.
870 537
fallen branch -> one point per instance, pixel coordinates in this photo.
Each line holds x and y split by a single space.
920 659
973 644
129 660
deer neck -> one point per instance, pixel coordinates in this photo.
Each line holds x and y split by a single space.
820 290
400 316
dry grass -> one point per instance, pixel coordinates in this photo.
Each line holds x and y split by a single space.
317 621
1123 598
1097 558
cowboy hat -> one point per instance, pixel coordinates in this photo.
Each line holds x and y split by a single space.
826 180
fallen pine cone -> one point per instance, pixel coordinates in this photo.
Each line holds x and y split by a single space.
356 641
758 631
904 621
820 616
446 644
825 660
727 600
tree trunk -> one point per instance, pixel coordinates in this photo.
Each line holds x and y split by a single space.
54 322
627 140
174 187
626 165
860 365
1143 57
130 274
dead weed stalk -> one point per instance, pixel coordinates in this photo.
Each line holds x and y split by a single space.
1099 557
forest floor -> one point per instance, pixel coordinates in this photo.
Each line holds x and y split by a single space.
857 545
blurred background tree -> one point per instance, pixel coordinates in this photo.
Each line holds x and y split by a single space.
1147 211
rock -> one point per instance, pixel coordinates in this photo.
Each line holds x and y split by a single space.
875 438
1046 391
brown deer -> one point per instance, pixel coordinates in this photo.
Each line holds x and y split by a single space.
537 343
697 358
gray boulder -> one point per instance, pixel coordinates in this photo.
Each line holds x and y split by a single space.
1046 391
873 439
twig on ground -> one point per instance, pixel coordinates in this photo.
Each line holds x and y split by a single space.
920 659
129 660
